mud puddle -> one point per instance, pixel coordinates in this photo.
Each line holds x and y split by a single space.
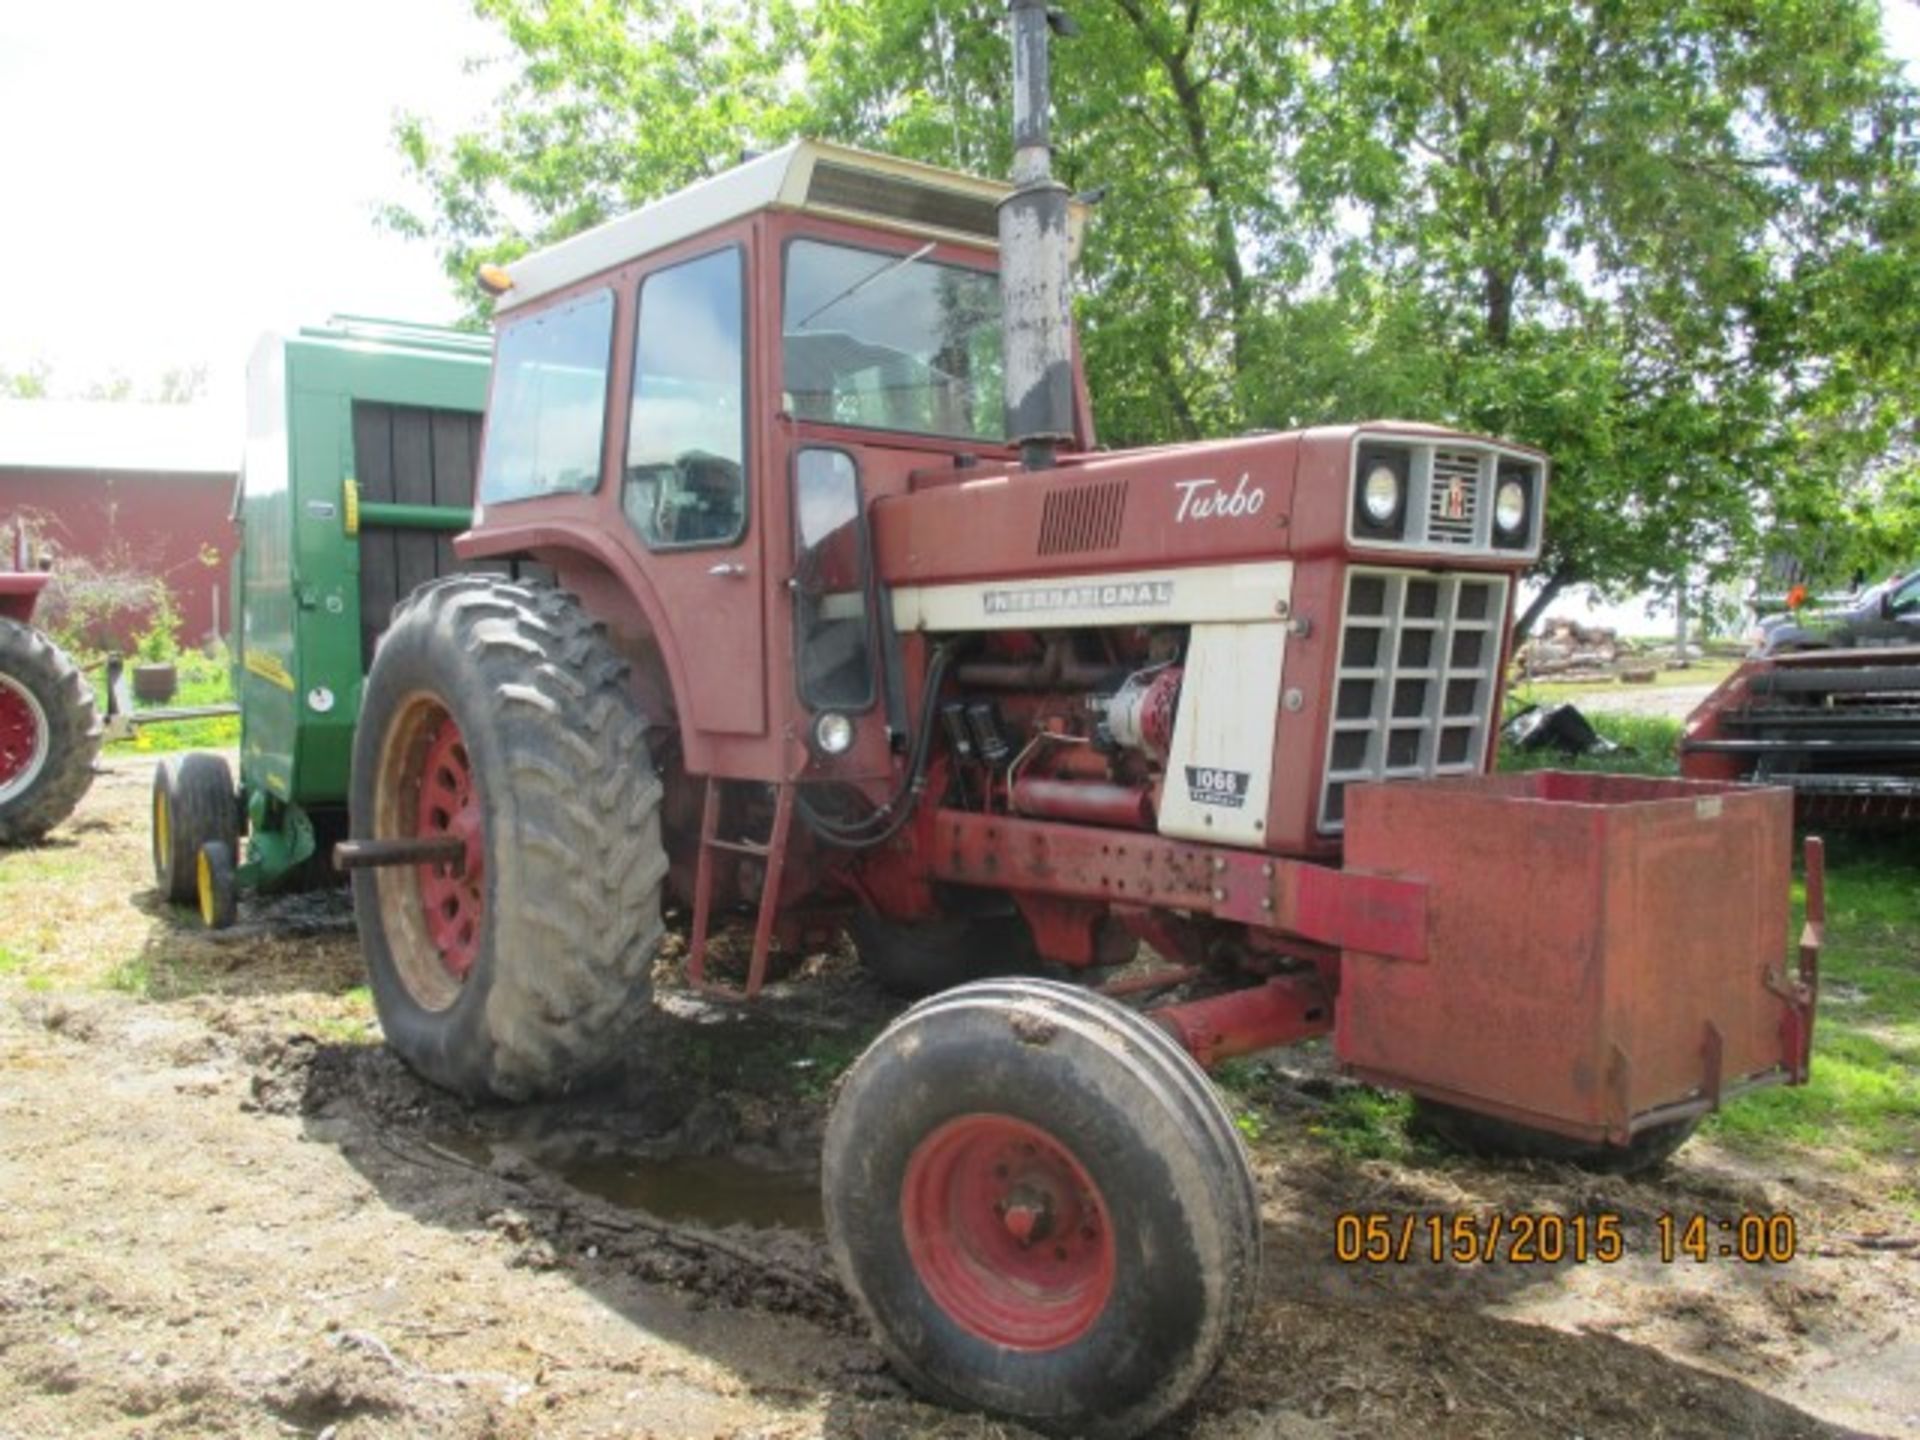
714 1191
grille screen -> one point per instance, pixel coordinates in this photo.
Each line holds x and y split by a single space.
845 188
1453 498
1078 518
1414 689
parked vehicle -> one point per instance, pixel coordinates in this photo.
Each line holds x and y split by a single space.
853 627
1883 614
363 436
49 726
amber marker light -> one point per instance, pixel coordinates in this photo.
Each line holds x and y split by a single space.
495 280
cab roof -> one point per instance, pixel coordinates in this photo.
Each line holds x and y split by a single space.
806 175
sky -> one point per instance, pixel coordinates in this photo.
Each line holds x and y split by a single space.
179 176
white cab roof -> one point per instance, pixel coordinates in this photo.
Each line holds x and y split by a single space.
805 175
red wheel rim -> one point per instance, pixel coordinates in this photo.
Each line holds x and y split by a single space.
23 738
1008 1232
454 904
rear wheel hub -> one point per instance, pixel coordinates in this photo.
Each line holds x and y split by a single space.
23 738
453 901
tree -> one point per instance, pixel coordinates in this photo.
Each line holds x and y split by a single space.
1671 242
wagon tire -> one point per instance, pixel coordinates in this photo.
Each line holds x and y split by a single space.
914 959
194 805
215 886
1039 1204
1491 1138
497 711
49 734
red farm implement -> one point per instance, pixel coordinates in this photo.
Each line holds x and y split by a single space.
49 731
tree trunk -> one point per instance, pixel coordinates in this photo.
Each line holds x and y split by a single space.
1530 617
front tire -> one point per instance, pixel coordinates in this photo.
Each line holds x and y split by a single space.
1043 1210
1491 1138
497 712
49 734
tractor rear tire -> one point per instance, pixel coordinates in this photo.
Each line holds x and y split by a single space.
498 712
1043 1210
194 804
49 734
1492 1138
913 959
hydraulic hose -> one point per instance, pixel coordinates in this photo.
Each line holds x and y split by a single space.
898 808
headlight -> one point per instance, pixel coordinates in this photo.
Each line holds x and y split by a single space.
833 733
1381 494
1510 506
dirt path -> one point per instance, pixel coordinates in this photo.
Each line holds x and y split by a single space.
225 1209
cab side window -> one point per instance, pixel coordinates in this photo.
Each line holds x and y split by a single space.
685 475
548 402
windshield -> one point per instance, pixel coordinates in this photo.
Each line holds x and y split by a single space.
891 342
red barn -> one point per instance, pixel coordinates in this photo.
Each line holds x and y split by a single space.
139 487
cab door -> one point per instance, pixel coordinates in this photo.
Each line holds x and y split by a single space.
687 483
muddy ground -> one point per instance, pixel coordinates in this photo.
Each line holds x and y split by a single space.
225 1209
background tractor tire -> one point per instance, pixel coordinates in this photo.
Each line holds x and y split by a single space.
1492 1138
497 711
49 734
1043 1210
194 804
914 959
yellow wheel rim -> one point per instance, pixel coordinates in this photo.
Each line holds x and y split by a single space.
203 874
162 831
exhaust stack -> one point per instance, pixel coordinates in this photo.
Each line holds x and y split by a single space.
1035 270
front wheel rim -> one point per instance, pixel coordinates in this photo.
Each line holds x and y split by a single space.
1008 1232
23 738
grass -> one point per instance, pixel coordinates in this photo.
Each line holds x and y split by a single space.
1708 671
1863 1100
204 680
1649 745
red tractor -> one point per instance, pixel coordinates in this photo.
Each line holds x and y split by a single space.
856 629
49 727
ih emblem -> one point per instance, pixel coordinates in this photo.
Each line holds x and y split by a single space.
1456 502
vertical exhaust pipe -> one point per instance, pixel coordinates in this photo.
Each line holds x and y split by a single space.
1035 275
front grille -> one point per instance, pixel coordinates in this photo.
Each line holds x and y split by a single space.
1414 687
1453 497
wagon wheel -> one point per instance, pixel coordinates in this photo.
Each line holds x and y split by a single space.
1472 1133
496 712
49 734
1042 1208
194 805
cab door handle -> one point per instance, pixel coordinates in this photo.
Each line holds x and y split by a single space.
731 569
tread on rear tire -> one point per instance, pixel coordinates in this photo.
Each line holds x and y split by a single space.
553 971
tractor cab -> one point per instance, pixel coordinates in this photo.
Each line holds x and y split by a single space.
695 406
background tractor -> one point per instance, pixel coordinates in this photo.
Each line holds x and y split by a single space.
854 627
49 726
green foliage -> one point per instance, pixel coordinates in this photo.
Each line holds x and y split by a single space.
159 641
1366 1124
92 602
1675 243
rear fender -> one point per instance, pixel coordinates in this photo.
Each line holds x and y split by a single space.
19 593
